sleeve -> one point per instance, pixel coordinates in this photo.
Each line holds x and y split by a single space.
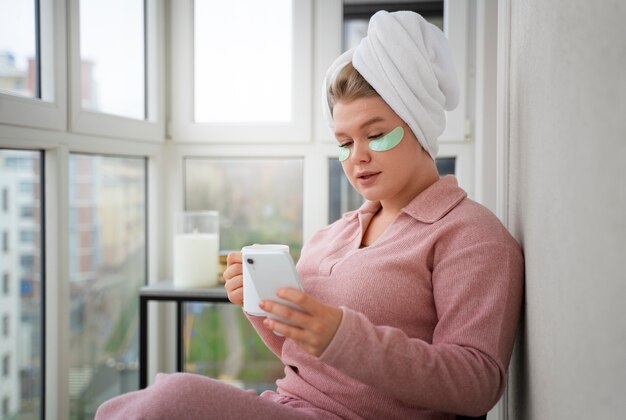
478 293
272 341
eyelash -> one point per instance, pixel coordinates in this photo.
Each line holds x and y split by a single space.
349 143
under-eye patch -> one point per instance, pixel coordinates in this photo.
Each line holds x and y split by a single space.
381 144
344 152
388 141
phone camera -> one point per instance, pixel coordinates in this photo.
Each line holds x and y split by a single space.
250 261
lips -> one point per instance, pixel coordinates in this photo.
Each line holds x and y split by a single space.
367 177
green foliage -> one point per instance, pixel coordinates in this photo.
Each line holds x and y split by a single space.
119 336
208 349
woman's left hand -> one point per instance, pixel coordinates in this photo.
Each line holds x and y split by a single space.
312 328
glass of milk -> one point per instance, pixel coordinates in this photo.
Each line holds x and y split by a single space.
196 249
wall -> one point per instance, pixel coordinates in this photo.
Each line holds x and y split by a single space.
567 205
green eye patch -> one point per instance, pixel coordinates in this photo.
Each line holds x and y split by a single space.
381 144
344 152
388 141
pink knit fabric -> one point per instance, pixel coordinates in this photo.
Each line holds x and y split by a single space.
188 396
430 312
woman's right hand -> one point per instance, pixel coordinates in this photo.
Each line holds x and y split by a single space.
233 275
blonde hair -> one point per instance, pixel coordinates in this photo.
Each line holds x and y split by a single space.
348 86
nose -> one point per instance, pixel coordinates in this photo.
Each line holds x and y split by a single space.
360 152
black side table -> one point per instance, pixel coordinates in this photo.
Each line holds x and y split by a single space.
165 291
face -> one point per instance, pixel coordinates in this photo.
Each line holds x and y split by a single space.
392 176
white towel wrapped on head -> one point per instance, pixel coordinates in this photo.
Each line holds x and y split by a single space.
408 61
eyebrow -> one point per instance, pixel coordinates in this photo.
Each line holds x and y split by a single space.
365 124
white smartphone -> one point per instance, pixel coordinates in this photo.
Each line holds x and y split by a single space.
270 270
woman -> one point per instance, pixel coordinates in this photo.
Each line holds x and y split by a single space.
411 302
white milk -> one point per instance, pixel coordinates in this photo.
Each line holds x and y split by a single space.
195 259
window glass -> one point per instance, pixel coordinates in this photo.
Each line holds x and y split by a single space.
21 298
5 200
220 342
446 165
5 241
6 363
5 284
343 197
260 201
26 236
112 57
19 72
356 16
243 61
107 236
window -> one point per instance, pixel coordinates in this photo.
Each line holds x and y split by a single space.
18 161
27 262
27 237
226 89
32 64
343 197
6 366
212 63
19 59
27 212
356 16
446 165
118 91
22 316
107 237
5 284
26 187
220 342
267 209
112 62
5 200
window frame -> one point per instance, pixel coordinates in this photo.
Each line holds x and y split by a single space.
183 128
151 129
49 112
56 147
455 23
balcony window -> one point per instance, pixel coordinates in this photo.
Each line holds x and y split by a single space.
260 201
19 57
229 37
22 308
107 237
112 62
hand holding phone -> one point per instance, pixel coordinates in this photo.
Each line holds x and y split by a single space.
267 268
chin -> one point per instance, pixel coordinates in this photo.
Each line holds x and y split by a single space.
370 195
